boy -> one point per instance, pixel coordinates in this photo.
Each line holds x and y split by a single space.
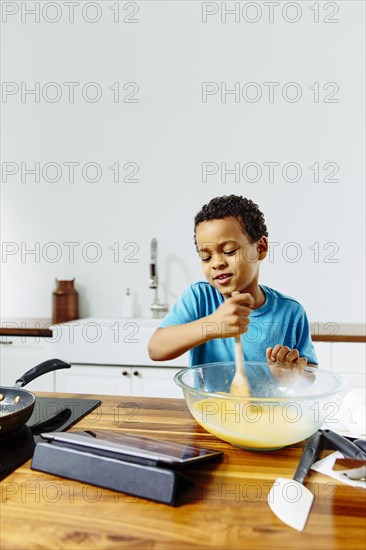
231 238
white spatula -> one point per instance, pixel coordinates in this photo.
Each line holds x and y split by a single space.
239 384
289 499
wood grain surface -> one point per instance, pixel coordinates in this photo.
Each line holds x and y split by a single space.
226 509
27 326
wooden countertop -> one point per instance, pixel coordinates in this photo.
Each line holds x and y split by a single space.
227 508
320 332
338 332
25 326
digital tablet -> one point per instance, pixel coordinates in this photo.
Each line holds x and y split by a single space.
133 448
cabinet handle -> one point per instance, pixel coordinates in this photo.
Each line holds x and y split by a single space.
124 373
6 343
136 373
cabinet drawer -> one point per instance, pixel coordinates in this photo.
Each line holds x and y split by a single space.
155 382
121 380
98 380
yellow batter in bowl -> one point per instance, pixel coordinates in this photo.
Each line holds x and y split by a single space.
264 426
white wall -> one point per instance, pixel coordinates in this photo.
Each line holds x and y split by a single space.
169 51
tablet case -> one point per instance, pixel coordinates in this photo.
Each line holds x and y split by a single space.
141 480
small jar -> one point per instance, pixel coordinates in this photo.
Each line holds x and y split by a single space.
65 302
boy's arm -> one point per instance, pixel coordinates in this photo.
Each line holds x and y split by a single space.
230 318
171 342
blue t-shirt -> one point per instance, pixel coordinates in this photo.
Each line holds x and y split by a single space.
280 320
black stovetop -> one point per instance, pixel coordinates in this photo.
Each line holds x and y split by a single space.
50 414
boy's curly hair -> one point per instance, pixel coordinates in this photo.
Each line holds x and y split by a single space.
244 210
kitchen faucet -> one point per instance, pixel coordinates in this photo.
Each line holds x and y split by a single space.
158 310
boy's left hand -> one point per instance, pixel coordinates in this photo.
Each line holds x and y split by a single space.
283 354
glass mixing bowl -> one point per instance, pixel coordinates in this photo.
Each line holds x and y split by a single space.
287 404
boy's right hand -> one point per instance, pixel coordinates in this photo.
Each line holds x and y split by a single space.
230 319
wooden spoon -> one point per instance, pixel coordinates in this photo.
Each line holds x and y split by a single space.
239 385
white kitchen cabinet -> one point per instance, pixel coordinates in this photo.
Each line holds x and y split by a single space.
19 354
95 379
155 382
323 352
349 360
119 380
94 341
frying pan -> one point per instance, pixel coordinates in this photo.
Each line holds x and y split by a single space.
16 404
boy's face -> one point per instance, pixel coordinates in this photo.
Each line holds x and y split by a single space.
229 260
